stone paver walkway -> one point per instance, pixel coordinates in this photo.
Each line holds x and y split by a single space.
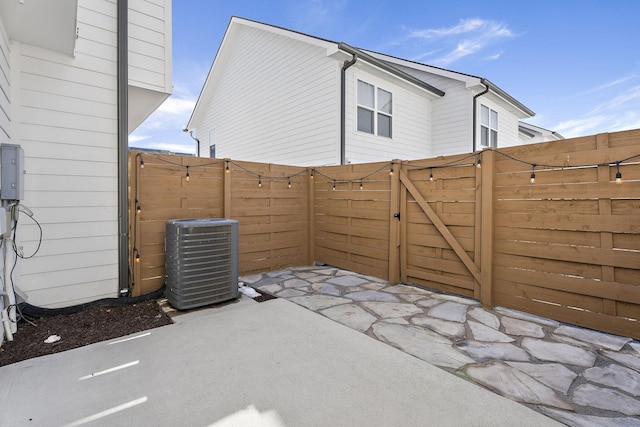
577 376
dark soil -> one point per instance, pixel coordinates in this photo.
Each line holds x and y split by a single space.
79 329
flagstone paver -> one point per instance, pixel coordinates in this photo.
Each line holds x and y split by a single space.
450 310
392 309
371 295
350 315
421 343
578 420
559 352
484 317
555 375
616 376
628 360
482 351
454 330
611 342
515 384
580 377
606 398
519 327
482 332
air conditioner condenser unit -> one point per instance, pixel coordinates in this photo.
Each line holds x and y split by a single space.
201 261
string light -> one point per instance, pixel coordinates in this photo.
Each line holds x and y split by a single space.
458 162
532 180
138 207
137 257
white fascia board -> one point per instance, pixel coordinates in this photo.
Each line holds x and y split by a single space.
469 80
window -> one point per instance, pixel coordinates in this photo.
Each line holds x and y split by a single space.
374 109
488 127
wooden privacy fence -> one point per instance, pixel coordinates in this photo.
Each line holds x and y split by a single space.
566 246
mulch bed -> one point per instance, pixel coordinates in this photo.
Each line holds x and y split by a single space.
79 329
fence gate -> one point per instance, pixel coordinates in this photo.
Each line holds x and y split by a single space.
441 225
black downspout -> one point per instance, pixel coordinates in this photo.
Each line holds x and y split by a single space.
475 113
123 148
343 108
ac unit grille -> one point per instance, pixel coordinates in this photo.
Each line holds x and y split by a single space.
201 261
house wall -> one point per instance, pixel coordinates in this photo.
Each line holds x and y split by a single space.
150 44
508 135
288 112
411 120
65 110
452 114
5 86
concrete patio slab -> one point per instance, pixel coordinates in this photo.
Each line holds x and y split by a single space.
296 366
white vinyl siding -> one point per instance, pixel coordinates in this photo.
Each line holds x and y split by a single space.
411 120
288 112
67 113
5 87
150 44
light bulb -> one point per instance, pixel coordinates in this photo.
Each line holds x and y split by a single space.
334 185
259 182
361 184
618 178
289 184
533 178
141 163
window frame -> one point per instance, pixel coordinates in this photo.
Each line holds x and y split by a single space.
376 111
489 129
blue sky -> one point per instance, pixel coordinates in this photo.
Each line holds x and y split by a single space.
576 63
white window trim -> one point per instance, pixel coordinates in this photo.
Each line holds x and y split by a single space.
489 127
375 110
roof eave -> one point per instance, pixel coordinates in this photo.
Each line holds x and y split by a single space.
504 95
384 66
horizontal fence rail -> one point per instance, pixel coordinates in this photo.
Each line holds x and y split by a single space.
543 228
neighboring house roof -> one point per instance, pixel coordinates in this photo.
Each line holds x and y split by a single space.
385 62
532 131
469 79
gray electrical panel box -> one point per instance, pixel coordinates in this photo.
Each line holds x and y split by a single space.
12 173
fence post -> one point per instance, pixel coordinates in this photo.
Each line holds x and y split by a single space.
604 208
394 223
487 228
135 236
226 177
311 218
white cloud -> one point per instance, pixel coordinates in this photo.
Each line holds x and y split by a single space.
137 138
609 85
620 110
468 37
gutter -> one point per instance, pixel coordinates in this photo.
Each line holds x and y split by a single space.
475 114
123 148
343 108
390 69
